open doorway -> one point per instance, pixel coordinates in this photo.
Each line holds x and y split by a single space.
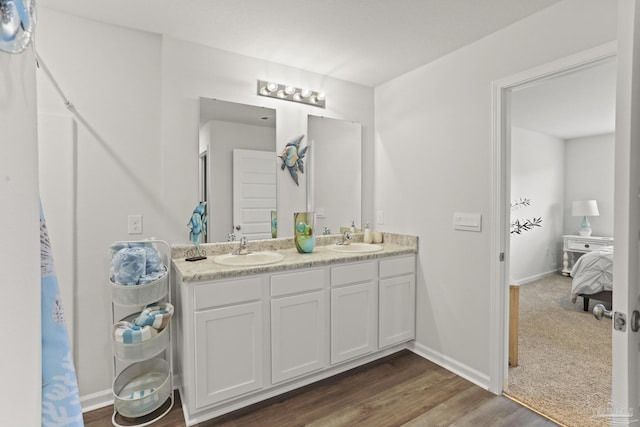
560 150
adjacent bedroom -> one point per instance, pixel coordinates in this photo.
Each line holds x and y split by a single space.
561 244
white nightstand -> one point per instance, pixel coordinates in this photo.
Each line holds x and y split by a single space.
578 244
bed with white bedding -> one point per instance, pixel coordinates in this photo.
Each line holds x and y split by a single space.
592 277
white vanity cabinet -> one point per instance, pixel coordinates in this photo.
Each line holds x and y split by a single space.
228 339
243 339
298 324
354 310
397 295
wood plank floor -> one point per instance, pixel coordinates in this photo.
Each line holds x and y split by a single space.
400 390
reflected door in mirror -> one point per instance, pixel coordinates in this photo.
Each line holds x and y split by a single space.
254 192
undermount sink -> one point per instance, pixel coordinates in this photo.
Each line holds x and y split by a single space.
250 259
355 248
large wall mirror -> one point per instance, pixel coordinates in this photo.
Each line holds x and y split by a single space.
237 149
334 190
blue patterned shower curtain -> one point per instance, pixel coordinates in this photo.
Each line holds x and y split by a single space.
60 397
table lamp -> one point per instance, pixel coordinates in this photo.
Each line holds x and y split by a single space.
585 208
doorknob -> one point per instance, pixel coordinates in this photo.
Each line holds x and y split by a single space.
600 311
619 319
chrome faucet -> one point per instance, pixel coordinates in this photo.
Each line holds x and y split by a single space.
244 247
231 237
346 239
326 231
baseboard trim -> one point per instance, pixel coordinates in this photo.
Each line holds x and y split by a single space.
96 400
535 277
462 370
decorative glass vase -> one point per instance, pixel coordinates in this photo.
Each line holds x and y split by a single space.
274 224
303 232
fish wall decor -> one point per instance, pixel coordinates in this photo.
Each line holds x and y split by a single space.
292 158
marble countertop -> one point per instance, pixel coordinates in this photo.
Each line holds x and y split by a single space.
393 245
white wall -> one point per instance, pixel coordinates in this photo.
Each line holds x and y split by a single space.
20 398
137 95
589 166
537 173
434 156
113 78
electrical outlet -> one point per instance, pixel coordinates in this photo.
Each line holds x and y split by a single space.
380 217
134 224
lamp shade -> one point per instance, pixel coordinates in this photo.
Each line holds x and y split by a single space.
585 208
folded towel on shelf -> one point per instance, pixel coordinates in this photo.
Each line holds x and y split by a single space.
129 333
155 315
139 394
151 277
154 263
136 263
128 265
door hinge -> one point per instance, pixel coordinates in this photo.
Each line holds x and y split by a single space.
501 256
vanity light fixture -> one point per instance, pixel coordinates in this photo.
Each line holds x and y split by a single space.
291 93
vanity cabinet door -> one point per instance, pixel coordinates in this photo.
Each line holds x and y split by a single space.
397 310
353 321
228 352
298 331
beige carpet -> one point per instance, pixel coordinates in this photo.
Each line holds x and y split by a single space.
564 355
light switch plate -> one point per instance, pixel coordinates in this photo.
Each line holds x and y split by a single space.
467 221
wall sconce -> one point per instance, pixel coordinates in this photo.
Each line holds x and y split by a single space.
290 93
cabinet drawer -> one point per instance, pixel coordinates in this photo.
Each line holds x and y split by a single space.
586 246
353 273
293 283
397 266
224 293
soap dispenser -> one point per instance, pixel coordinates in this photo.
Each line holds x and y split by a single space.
353 226
368 238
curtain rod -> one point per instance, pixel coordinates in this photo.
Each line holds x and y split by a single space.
41 64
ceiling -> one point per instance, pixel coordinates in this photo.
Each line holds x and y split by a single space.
577 104
367 42
215 109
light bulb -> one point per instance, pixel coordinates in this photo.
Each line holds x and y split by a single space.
264 91
321 96
297 97
272 87
305 93
281 94
289 90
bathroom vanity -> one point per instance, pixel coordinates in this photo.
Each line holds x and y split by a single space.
245 334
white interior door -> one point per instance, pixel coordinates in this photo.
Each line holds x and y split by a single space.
625 408
254 192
